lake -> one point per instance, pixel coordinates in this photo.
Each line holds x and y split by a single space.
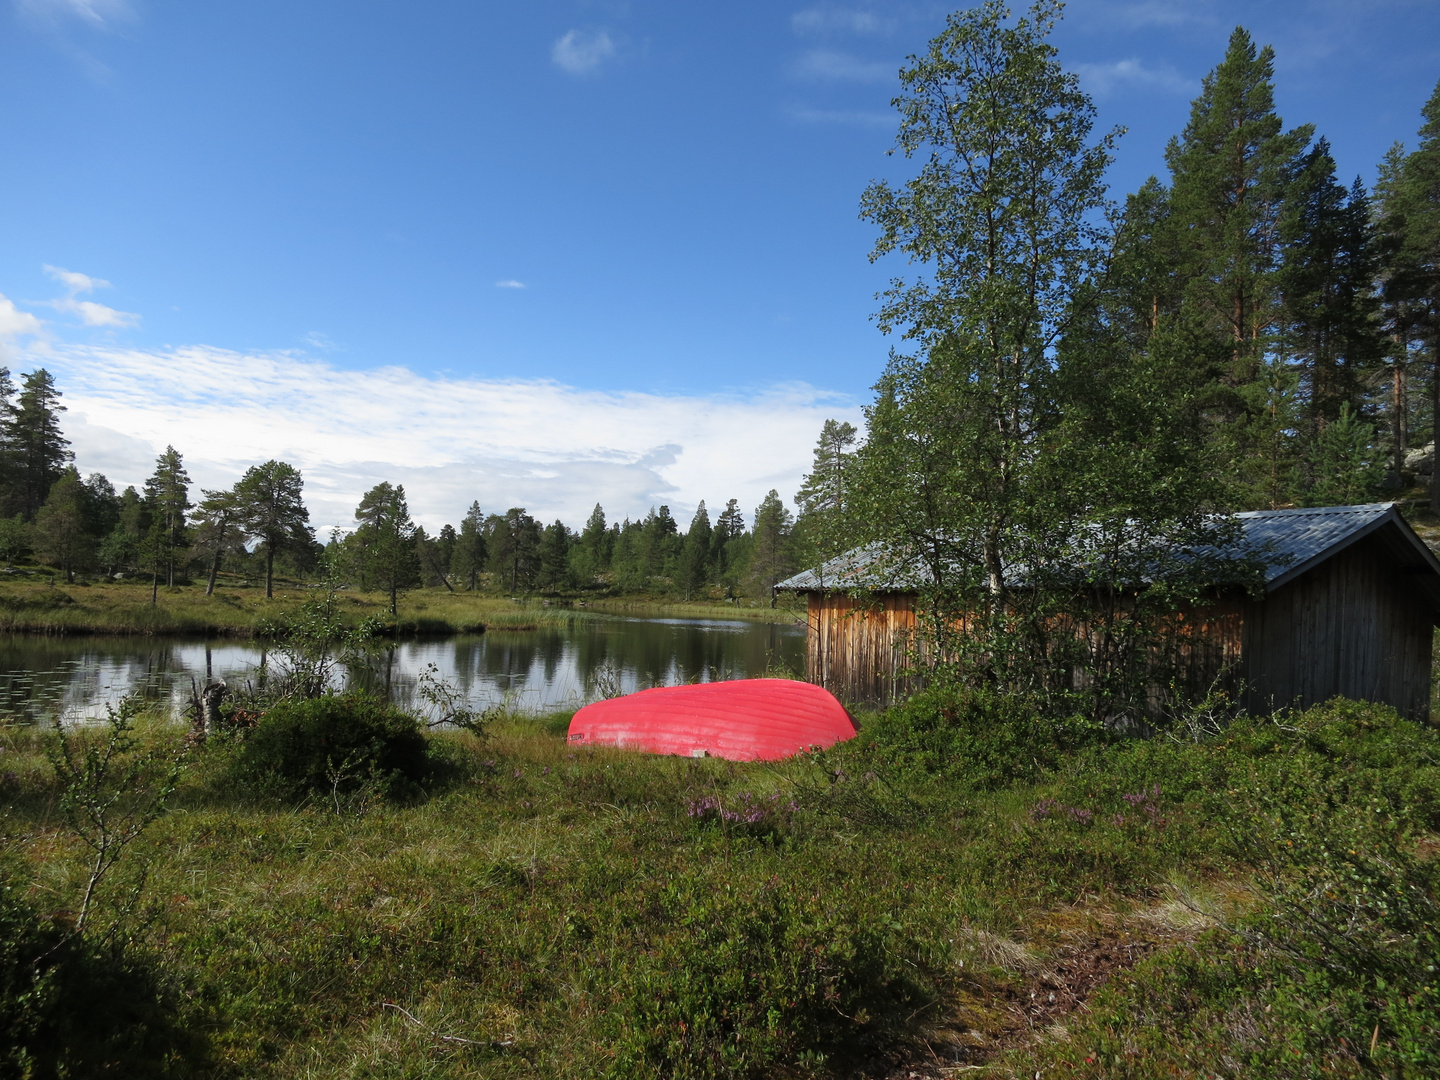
556 667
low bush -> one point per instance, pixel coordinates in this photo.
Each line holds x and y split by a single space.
983 739
69 1007
336 744
747 982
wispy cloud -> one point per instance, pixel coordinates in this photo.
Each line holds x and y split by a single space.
870 118
831 20
316 340
581 52
509 283
96 14
552 448
1103 80
88 312
826 65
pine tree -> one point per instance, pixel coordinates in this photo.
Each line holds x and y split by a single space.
514 543
1410 223
167 498
1231 170
9 465
273 512
217 525
38 451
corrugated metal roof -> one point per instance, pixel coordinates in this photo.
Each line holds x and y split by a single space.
1288 542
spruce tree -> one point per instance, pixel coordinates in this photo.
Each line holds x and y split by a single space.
821 531
61 536
468 560
771 558
695 553
1331 330
383 544
554 557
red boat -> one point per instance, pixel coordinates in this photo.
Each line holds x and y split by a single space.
740 720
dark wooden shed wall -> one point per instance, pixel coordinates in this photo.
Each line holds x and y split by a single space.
1355 626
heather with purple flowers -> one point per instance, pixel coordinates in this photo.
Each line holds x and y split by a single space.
751 813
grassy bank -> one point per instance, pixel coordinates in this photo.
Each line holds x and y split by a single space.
943 893
29 607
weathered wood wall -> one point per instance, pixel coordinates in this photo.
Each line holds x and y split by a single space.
858 648
1354 626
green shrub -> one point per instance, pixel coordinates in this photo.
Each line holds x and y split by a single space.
746 982
981 738
69 1007
335 745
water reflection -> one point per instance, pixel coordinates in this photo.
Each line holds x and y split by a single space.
555 667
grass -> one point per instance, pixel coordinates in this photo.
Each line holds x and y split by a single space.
881 909
30 607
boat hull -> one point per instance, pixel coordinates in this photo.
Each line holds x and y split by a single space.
739 720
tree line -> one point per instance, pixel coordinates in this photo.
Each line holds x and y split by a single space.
261 524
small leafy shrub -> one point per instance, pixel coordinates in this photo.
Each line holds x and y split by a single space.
69 1007
746 983
978 737
335 745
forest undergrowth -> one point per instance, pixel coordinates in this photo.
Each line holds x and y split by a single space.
958 887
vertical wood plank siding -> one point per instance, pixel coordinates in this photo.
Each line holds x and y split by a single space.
1354 626
858 648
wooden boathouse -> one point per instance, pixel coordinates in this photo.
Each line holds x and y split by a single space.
1350 603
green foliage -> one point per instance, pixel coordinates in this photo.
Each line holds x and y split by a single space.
334 745
70 1008
14 539
977 737
744 982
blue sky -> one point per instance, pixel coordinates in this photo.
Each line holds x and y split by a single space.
536 253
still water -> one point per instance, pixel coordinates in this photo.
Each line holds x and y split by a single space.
556 667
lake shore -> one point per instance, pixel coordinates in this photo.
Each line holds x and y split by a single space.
124 608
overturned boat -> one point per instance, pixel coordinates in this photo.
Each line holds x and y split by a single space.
739 720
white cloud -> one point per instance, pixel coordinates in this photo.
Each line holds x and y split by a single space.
824 65
89 312
582 51
1102 80
551 448
509 283
15 323
75 282
826 20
